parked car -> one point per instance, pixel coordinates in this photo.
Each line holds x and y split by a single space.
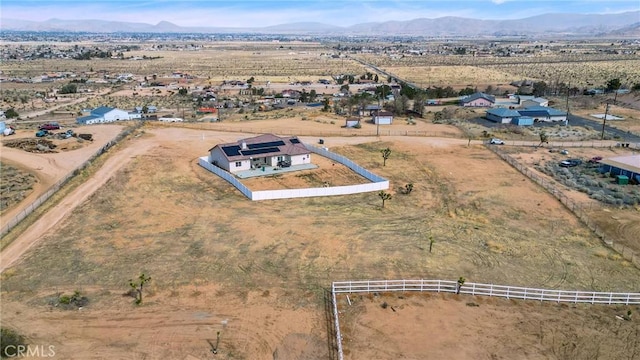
595 159
49 126
570 162
284 163
496 141
42 133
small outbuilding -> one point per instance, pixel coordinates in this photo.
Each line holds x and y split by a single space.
382 118
352 122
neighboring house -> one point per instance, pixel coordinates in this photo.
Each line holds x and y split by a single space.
382 118
502 115
369 110
478 99
542 113
105 114
150 109
523 117
532 101
259 151
627 165
352 122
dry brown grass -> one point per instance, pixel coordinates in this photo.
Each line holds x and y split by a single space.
164 215
579 70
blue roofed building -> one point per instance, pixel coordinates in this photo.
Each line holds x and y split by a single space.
502 115
626 165
105 114
543 113
526 116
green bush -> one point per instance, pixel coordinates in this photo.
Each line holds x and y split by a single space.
9 341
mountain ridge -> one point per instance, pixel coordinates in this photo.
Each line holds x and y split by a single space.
565 23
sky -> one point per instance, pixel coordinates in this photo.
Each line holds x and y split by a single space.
260 13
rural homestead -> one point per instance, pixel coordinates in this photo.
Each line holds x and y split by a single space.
306 180
256 152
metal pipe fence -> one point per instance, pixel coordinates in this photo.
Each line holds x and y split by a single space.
475 289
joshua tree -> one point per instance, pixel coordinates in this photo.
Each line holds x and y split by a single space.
408 188
544 138
384 196
431 241
385 155
138 285
461 281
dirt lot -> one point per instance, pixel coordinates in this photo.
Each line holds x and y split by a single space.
448 326
256 271
49 168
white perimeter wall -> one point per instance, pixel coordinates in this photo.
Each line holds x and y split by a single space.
377 182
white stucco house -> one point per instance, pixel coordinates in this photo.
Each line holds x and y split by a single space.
259 151
382 118
105 114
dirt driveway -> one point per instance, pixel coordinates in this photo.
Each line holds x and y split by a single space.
253 270
50 168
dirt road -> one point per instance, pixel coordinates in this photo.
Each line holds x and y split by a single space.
50 168
137 147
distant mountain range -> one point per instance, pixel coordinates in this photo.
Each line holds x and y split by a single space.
619 25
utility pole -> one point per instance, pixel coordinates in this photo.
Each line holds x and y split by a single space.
568 91
606 111
378 117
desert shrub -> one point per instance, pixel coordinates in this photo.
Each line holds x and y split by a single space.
571 183
9 341
68 302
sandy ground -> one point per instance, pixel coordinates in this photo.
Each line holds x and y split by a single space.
269 321
449 326
52 167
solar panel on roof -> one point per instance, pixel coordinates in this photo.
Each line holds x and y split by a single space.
260 151
233 150
295 141
265 144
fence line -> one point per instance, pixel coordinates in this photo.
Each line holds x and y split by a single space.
301 132
476 289
577 144
377 182
10 224
579 210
